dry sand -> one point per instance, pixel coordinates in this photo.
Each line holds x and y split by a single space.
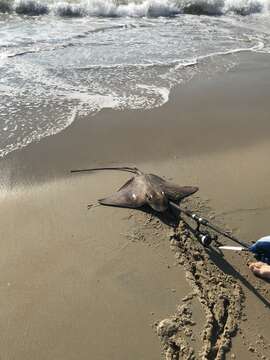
109 283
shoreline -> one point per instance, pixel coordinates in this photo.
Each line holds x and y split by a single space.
217 129
75 279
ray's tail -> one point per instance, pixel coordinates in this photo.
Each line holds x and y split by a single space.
133 170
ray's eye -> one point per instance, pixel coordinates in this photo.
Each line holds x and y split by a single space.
162 192
150 197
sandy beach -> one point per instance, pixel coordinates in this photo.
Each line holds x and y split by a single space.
96 283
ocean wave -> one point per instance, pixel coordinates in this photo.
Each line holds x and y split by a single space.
70 10
109 8
143 8
222 7
30 7
5 6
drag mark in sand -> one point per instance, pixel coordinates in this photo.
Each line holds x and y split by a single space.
187 335
221 299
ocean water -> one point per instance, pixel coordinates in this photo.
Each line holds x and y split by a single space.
62 59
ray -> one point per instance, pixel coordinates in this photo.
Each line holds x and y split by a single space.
144 189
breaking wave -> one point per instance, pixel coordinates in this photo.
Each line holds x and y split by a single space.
144 8
31 7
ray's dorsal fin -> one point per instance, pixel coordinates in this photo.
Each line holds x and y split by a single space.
132 170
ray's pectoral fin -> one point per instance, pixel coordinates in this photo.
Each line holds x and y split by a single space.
177 193
127 196
122 199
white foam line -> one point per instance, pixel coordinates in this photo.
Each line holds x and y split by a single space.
176 62
257 47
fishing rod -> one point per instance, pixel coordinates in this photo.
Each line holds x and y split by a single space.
204 236
261 248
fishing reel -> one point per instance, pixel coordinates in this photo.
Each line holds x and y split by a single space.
202 235
205 238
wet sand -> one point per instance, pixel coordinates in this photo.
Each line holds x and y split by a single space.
80 284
